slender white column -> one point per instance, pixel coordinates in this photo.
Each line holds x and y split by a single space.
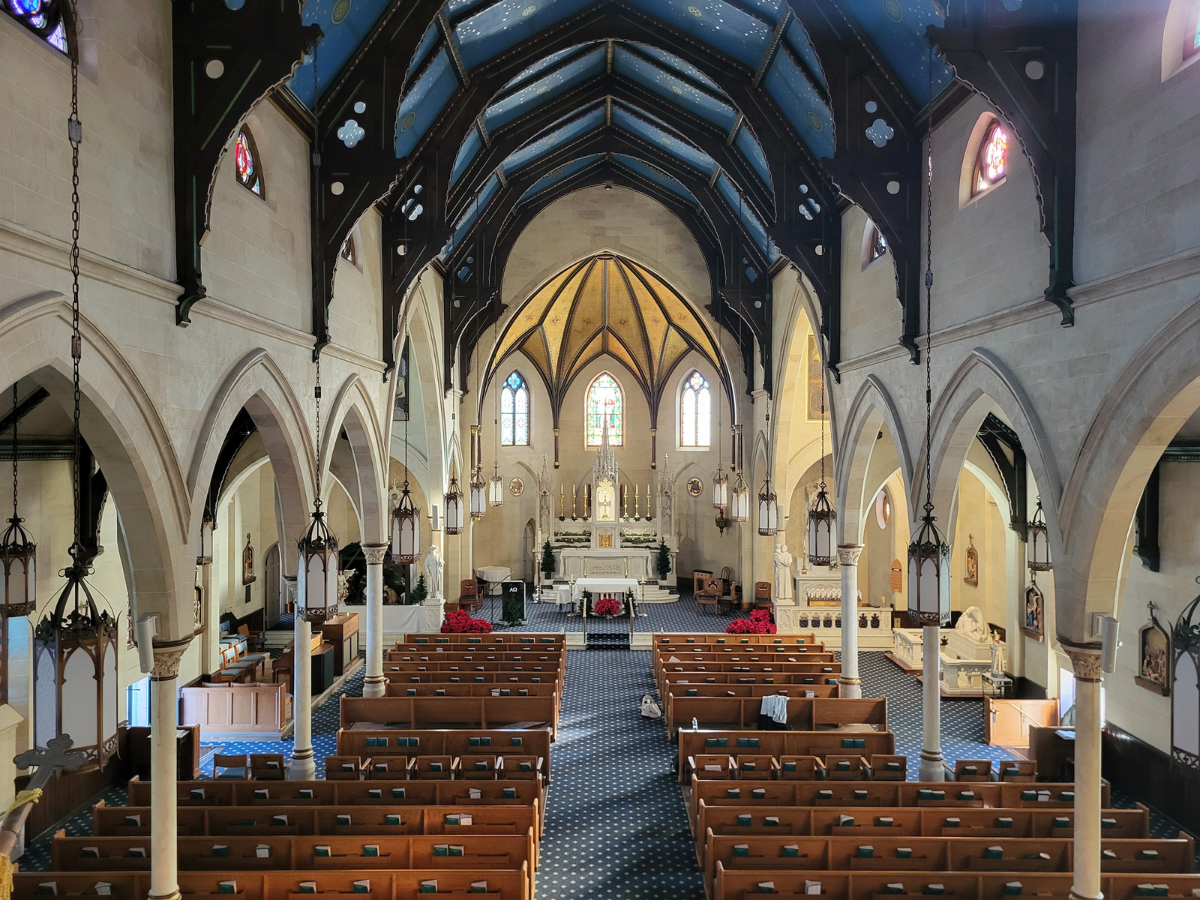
210 647
164 721
1086 663
374 683
303 767
849 684
931 768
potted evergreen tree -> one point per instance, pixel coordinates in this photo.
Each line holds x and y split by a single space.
547 561
662 561
420 591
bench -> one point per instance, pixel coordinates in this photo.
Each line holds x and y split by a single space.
780 743
444 712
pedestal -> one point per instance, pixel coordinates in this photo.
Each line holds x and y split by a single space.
435 613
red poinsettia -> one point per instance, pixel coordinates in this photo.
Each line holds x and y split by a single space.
607 607
758 623
460 622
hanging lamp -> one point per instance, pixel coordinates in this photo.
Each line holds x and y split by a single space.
768 503
18 590
822 520
720 497
479 493
75 646
929 554
454 504
1039 542
406 519
319 547
205 554
739 502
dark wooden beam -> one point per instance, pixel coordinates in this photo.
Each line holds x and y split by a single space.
24 408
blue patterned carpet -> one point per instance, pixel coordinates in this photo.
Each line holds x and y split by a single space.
615 821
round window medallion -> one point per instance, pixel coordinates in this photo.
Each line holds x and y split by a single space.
528 11
815 122
893 9
341 9
696 12
407 122
694 487
516 487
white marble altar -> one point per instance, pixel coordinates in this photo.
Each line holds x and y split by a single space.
620 562
966 656
817 609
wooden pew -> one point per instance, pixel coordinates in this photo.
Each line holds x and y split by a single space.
386 885
859 885
396 676
518 639
447 712
71 854
780 743
660 638
471 690
950 854
404 742
716 679
804 714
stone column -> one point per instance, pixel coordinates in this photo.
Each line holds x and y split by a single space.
303 767
164 721
210 647
849 684
932 761
1085 660
374 682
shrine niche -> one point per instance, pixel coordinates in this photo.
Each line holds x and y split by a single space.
1154 656
1033 619
971 576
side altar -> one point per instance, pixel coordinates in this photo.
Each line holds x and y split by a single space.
816 606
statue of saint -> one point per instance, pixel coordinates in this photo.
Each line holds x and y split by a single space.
783 574
433 572
997 655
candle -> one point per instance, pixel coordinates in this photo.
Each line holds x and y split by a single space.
625 501
648 500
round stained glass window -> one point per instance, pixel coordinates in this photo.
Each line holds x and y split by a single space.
992 164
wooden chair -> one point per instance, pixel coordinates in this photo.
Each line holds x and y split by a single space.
471 594
258 640
268 767
236 766
762 595
345 768
888 768
700 578
281 669
709 594
1018 770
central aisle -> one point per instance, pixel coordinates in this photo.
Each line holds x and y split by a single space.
615 821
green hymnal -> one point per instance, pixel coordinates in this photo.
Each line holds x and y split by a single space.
516 742
1004 822
790 851
1066 796
392 819
227 887
845 821
926 794
137 852
765 887
380 767
375 793
348 767
477 887
1040 857
91 852
196 794
525 766
1147 854
370 850
825 794
361 887
262 794
904 853
435 766
1108 854
1011 771
883 821
48 887
759 794
410 692
428 887
750 766
970 770
860 795
743 819
741 849
895 887
771 821
456 850
1028 795
733 793
789 767
993 853
952 822
343 819
1151 890
1062 822
307 887
322 850
1108 823
441 849
397 793
935 889
966 795
220 849
892 766
746 742
481 765
510 793
865 851
843 765
1012 888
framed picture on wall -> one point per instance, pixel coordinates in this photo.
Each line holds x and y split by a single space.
1033 623
248 563
971 576
1154 656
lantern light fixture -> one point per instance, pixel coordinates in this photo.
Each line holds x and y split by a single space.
739 506
318 548
205 555
454 519
720 488
1039 542
768 502
406 520
479 494
929 554
822 519
18 588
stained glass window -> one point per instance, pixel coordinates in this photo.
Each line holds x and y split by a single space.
695 412
604 398
878 244
44 18
514 412
349 251
246 163
1191 38
992 163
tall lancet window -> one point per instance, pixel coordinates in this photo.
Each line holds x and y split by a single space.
695 412
604 396
514 412
246 164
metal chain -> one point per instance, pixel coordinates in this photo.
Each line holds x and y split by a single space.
929 296
14 451
822 426
317 397
75 135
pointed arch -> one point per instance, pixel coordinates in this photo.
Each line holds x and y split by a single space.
871 408
354 412
604 399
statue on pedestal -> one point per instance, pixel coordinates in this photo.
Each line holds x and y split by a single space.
783 574
997 654
433 572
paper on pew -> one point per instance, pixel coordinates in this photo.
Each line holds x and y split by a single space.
812 887
104 888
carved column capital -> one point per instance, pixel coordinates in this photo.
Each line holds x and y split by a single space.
1085 660
375 553
848 554
167 656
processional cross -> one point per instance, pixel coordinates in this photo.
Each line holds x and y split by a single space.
48 762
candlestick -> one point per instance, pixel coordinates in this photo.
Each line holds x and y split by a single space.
648 516
574 494
637 493
625 501
561 502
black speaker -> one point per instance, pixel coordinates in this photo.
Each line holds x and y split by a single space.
512 607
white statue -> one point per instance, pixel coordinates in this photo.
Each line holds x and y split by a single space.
971 624
783 574
433 572
997 654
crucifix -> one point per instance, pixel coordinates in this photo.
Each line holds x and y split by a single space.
48 763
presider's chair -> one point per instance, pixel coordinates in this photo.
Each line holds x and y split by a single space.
708 594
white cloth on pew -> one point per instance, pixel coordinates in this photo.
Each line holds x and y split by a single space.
775 706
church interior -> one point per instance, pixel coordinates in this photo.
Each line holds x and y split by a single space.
456 444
